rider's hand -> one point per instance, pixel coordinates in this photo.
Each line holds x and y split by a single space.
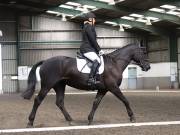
101 53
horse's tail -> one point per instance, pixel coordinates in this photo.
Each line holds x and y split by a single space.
31 82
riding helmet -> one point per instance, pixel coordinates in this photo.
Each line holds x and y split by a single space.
89 15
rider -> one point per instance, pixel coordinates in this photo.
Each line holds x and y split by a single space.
89 47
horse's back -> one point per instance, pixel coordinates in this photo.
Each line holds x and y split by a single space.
53 69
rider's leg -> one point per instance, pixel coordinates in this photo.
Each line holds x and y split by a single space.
96 76
93 72
92 56
95 66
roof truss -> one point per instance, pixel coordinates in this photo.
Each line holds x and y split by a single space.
127 11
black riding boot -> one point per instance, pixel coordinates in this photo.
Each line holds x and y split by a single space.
92 75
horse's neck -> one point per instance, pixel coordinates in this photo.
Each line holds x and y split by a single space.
124 53
123 59
123 63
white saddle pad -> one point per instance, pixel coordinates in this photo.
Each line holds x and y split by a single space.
84 68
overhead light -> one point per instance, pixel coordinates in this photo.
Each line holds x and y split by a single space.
64 17
89 6
69 15
111 2
115 24
168 7
157 10
52 12
85 9
148 22
66 6
111 23
121 27
142 20
136 15
178 9
82 9
173 12
126 26
73 4
128 18
153 18
118 1
107 1
1 34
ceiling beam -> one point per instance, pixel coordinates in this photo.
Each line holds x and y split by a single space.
66 11
135 24
105 5
152 29
161 16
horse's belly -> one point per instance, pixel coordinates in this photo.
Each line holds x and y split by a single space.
78 85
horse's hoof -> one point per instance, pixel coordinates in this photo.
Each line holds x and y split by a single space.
71 123
133 119
29 125
90 122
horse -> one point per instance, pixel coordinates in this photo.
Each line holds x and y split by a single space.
59 71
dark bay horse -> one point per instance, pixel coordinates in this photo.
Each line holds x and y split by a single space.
57 72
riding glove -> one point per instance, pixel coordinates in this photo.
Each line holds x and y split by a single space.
101 52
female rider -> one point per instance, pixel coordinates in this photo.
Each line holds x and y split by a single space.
89 47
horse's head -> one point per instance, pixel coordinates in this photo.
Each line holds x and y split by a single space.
140 57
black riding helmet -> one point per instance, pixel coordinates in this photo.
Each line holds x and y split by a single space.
89 15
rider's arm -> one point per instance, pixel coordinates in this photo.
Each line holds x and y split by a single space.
92 39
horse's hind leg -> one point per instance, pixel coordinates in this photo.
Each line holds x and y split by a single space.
99 96
37 101
60 89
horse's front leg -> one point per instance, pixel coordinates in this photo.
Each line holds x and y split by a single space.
117 92
99 96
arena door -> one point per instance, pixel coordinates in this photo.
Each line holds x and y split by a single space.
132 77
1 91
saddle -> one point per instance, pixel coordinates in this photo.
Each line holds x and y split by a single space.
84 64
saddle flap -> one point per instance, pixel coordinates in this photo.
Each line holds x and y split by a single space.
84 65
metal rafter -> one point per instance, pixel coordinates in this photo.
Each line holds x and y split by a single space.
104 5
135 24
66 11
98 4
139 25
161 16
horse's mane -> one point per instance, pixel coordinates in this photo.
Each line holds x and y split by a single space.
118 51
